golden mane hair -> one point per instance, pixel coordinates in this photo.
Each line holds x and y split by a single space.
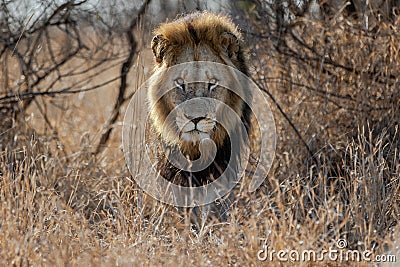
214 30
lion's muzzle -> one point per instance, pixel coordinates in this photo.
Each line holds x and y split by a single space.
196 119
194 129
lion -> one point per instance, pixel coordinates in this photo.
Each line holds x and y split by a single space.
195 116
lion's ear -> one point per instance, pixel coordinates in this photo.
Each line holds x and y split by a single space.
230 43
158 45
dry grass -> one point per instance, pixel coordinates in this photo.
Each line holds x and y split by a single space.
63 206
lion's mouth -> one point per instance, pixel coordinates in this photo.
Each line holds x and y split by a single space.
194 136
195 130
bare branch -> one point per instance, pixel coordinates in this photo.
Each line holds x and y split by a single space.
126 66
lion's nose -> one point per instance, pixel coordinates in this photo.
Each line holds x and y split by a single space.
196 120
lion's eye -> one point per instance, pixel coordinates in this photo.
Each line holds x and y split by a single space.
212 84
180 83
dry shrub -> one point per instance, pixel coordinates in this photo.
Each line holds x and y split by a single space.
338 84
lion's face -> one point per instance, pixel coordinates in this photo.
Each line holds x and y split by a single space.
189 103
197 99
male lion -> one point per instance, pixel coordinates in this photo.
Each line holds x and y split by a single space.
195 116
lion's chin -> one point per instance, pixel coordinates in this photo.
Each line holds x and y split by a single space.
194 136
